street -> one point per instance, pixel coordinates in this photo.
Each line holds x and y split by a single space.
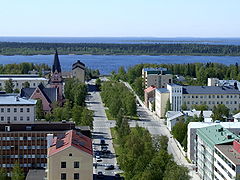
101 130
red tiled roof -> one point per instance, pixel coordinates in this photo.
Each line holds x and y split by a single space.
71 138
149 89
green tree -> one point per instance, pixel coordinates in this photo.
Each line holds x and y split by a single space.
160 143
17 172
184 107
168 106
16 90
201 107
176 172
138 87
220 112
98 83
87 118
76 114
3 174
179 131
26 84
39 110
9 86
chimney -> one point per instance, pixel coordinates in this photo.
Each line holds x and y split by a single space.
49 140
235 85
17 98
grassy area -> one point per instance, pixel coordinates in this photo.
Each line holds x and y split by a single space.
109 116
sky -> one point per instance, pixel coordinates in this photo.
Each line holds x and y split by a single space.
120 18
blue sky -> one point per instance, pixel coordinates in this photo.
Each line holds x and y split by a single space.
114 18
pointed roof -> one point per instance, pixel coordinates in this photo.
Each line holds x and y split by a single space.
56 63
71 138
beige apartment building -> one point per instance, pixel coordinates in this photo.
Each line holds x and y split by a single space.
70 157
158 77
196 95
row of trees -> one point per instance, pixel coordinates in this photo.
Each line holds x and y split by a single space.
13 48
117 97
22 68
9 86
143 157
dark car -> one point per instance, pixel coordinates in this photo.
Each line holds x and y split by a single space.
100 175
110 167
117 176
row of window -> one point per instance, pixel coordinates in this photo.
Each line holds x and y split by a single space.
225 160
64 176
42 165
15 118
22 147
23 156
229 174
212 96
211 102
75 164
34 84
22 138
14 110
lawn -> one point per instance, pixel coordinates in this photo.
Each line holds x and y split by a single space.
109 116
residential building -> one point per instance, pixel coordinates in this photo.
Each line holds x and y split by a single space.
161 98
197 95
78 71
158 77
27 143
227 161
16 109
207 138
19 80
149 96
175 116
48 96
234 127
70 157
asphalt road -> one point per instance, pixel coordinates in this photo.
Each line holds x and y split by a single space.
101 130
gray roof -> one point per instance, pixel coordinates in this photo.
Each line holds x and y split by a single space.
15 100
36 174
210 90
162 90
49 93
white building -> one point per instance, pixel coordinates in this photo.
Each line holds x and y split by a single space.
20 79
196 95
16 109
217 82
237 117
175 116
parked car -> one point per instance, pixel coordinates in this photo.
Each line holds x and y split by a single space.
109 167
100 175
117 176
99 159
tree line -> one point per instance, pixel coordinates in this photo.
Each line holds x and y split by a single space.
14 48
143 157
117 97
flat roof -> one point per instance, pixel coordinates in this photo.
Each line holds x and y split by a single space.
163 90
227 125
216 134
24 78
15 100
230 153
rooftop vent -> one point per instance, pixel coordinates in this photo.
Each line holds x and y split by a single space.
17 98
229 136
220 129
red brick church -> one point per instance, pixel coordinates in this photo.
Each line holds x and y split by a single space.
53 93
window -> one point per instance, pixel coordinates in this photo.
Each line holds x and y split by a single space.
8 109
28 118
21 109
34 84
70 154
2 110
2 118
8 118
76 176
15 118
76 164
28 109
15 109
21 118
63 176
63 165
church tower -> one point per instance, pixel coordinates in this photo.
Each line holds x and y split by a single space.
56 80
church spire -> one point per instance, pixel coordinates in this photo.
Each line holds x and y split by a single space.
56 64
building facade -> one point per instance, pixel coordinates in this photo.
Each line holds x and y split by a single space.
70 157
27 143
158 77
198 95
19 80
78 71
16 109
161 98
149 94
207 138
